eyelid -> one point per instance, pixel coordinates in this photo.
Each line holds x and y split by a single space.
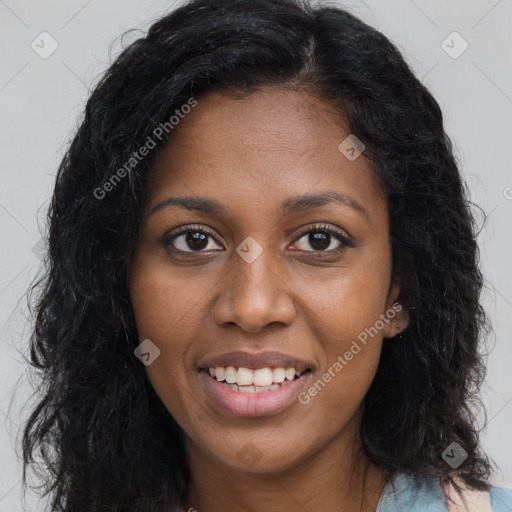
328 228
203 228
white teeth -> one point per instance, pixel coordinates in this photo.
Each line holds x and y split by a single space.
220 373
290 373
261 378
243 376
279 374
230 375
251 389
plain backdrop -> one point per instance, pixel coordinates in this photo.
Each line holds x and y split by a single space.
41 100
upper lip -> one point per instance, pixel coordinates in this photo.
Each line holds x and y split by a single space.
255 361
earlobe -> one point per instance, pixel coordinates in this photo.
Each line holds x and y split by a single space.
398 320
397 314
401 322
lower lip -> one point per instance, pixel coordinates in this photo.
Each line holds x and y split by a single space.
250 405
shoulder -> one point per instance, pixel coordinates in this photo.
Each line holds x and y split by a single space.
408 494
496 499
501 499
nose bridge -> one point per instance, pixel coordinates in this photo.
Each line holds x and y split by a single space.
253 278
253 294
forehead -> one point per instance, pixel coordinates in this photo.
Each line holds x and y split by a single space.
272 143
270 120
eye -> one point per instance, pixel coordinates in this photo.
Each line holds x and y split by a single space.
322 238
197 239
192 239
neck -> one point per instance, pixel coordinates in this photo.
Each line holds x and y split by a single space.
337 478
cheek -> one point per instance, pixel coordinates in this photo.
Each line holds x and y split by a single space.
161 316
348 304
350 352
169 310
167 307
344 314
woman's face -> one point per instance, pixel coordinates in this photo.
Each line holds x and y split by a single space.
284 247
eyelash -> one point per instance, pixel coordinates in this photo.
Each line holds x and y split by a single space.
317 228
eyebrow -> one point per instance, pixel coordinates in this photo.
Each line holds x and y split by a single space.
291 205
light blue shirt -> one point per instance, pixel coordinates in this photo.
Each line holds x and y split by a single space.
407 494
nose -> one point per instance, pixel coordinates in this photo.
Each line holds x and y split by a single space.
254 295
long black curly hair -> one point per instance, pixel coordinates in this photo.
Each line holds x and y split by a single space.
116 446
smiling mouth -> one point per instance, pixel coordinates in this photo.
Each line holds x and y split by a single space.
261 380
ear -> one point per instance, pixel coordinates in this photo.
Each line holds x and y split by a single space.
396 313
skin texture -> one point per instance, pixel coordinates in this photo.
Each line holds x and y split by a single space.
250 155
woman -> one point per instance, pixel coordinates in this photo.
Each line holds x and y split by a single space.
263 284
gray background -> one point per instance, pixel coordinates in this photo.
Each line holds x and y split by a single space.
40 100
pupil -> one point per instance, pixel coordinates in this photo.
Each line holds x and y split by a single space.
196 240
319 240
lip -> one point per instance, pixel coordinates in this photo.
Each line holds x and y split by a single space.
250 405
255 361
